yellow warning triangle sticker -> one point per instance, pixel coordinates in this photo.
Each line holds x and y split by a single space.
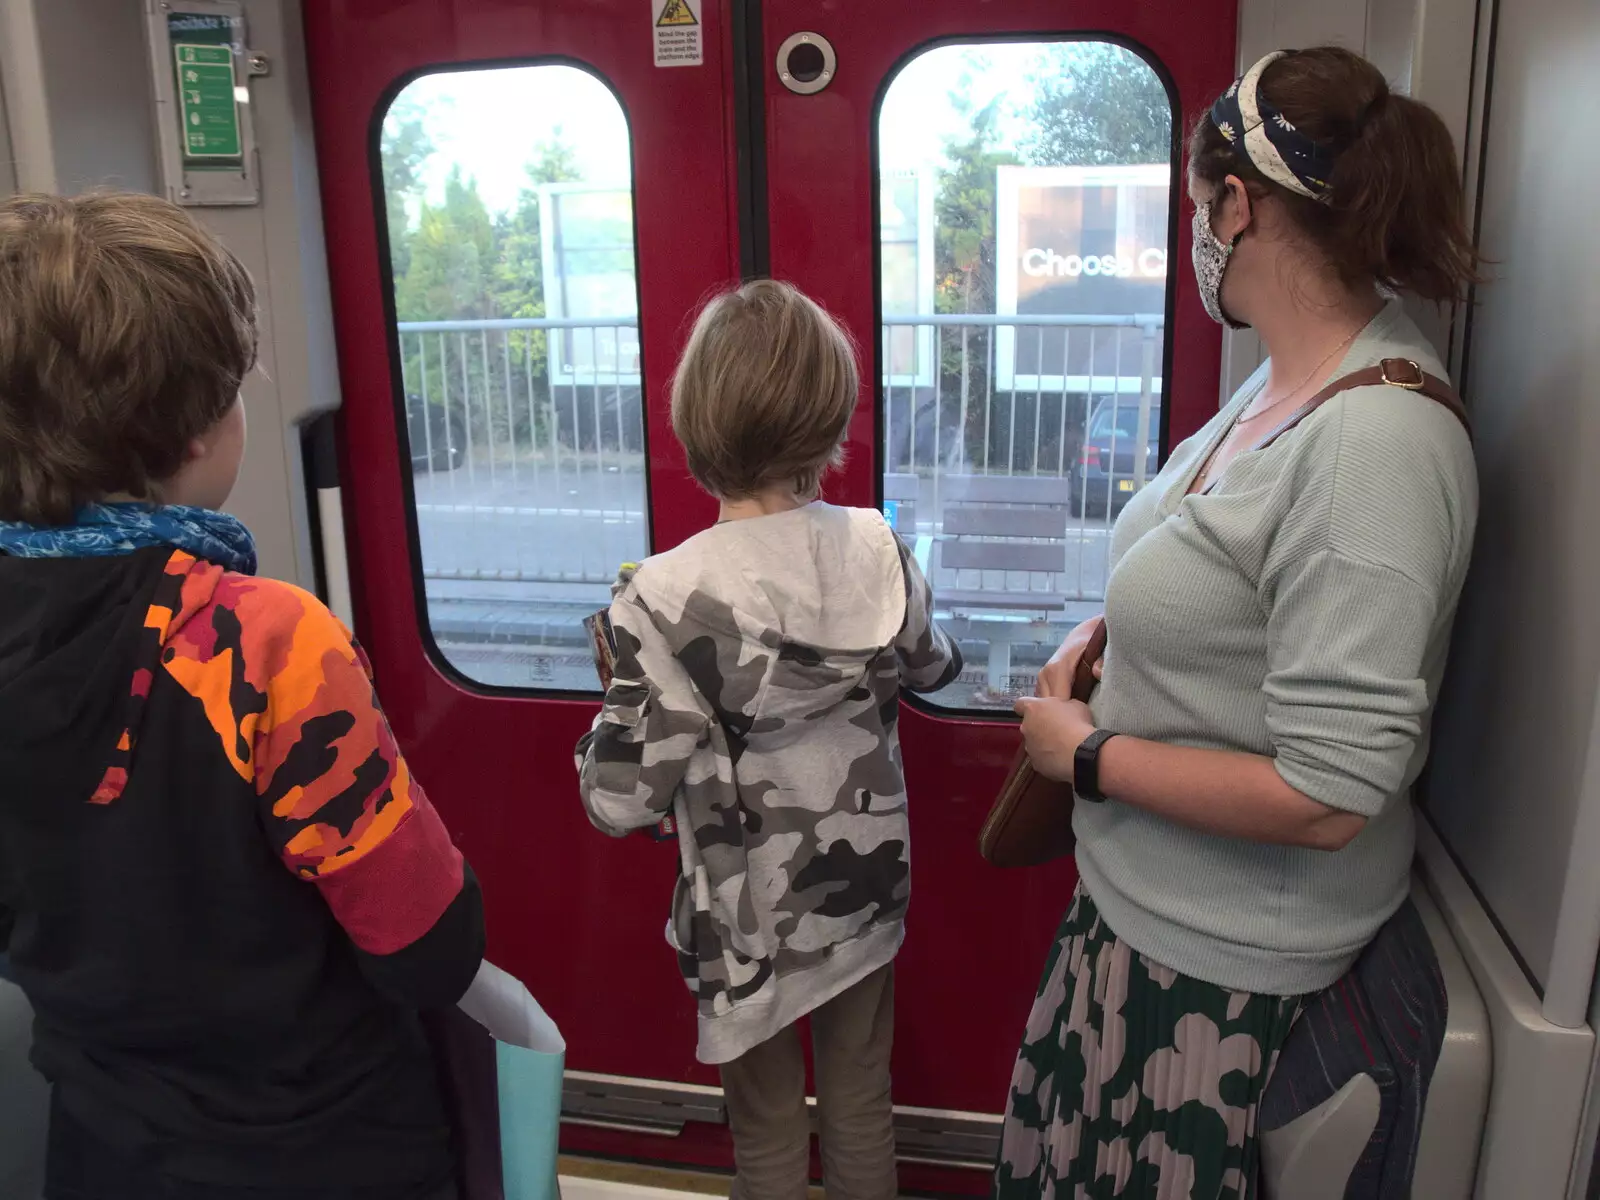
677 12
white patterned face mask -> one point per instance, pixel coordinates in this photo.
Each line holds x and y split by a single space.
1210 264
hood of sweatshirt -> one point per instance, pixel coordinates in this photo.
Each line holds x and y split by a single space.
822 586
72 638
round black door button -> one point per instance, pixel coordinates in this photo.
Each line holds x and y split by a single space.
807 62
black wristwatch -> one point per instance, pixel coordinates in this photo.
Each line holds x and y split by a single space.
1086 766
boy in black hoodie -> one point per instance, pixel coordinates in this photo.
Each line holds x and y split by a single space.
220 887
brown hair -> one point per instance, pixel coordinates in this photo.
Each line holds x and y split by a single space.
1394 211
125 332
764 393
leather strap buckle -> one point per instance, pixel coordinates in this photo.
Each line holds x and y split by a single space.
1403 373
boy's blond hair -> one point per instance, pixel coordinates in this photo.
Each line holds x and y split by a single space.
764 393
125 332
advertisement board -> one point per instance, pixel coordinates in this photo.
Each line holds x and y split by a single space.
586 240
1084 250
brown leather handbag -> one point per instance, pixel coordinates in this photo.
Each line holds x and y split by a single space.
1030 822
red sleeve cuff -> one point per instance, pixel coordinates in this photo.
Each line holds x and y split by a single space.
396 892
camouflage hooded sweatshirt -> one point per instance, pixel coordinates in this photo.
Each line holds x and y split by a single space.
756 695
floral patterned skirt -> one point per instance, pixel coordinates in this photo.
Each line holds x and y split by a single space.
1134 1081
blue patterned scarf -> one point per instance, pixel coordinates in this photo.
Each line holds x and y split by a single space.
103 530
1267 140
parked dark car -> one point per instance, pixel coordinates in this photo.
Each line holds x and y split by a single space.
1103 479
441 443
616 408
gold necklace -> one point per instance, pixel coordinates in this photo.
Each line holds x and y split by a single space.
1203 478
1309 376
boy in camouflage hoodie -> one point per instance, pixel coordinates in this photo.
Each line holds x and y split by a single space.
756 690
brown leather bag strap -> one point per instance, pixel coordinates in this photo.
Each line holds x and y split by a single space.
1391 372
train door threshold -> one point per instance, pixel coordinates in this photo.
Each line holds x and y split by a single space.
926 1136
603 1179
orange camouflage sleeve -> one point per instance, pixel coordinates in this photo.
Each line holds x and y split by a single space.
291 696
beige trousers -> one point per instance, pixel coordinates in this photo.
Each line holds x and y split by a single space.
851 1037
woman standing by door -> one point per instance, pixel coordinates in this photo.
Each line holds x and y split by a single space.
1279 613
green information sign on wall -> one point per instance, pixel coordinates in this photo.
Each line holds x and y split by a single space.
206 102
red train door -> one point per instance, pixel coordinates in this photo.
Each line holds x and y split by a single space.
525 201
1002 359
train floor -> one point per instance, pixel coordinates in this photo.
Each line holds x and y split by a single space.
602 1179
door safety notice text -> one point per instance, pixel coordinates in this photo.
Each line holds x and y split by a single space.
679 42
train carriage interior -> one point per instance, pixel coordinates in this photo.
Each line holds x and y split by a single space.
480 228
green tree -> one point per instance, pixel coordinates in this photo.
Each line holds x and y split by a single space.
404 152
518 276
451 257
1095 104
456 260
964 262
964 212
554 161
459 261
516 284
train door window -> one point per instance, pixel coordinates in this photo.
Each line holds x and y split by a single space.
1021 398
511 236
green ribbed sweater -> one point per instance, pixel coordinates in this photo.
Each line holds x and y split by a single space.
1301 610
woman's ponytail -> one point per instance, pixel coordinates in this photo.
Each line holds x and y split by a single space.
1395 212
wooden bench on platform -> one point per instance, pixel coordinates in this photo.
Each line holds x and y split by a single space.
1011 524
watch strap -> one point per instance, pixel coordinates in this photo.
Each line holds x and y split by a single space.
1086 766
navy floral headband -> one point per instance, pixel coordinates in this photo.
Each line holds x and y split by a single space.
1265 138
